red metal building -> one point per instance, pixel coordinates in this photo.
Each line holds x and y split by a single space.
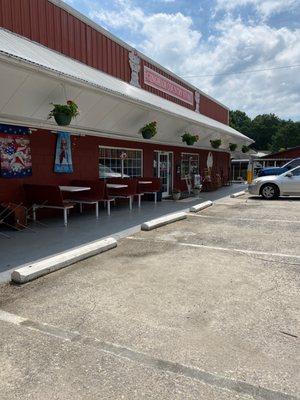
50 53
287 154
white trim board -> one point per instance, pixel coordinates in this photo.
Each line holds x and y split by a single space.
77 131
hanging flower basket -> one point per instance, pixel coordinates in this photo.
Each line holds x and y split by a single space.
216 143
232 146
62 119
147 134
64 113
245 149
189 139
149 130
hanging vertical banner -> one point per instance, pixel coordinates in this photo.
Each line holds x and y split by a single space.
63 156
15 153
210 161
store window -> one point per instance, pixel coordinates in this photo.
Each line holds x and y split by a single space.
113 161
189 164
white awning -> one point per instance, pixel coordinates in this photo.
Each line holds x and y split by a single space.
31 76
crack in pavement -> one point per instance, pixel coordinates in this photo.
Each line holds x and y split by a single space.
257 392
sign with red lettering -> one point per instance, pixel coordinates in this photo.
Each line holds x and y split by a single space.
160 82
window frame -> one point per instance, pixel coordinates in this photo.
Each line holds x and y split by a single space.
181 160
123 149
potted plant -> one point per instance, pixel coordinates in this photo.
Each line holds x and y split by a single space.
197 190
149 130
189 139
64 113
245 149
216 143
176 193
232 146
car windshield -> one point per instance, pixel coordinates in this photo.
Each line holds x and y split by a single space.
294 171
292 164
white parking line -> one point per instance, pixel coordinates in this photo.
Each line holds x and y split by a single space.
148 360
202 246
245 219
258 202
11 318
244 202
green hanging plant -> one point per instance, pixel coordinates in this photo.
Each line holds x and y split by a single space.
189 139
64 113
232 146
216 143
149 130
245 149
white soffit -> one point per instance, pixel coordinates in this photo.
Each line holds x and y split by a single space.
37 56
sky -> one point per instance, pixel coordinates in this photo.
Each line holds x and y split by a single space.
223 38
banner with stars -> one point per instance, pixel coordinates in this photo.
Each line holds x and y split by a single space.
15 153
14 129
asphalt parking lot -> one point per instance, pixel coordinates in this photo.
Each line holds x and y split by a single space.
205 308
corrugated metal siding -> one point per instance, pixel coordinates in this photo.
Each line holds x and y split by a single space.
213 110
290 153
43 22
48 24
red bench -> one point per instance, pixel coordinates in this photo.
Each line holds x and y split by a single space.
46 196
96 194
150 188
127 192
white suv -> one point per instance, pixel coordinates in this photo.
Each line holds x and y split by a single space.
273 186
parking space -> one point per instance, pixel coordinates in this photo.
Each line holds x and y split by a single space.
206 308
242 224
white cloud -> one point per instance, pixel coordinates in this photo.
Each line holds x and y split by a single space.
166 37
169 38
124 15
241 47
264 7
173 41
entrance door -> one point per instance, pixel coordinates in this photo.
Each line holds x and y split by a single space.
163 170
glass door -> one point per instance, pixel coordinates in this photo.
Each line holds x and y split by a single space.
163 170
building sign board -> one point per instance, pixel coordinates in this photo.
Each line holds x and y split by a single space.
160 82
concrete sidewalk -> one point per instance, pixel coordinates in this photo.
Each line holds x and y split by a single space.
27 246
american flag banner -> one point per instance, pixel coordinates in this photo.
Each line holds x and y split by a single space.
14 129
15 155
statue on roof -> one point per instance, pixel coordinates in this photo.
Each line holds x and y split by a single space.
134 62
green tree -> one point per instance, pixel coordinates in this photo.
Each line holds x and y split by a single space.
240 121
264 127
287 136
267 130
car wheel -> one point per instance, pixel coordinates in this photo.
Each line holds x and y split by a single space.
269 191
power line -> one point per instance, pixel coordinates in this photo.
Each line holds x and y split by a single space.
243 72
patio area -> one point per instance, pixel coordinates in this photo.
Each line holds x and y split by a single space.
52 237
